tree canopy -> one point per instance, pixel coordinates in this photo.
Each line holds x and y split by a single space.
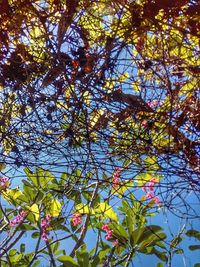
99 128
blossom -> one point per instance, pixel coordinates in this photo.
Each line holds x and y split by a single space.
116 177
105 227
109 234
108 231
149 195
18 219
156 199
45 224
149 188
153 104
4 183
115 242
76 219
144 123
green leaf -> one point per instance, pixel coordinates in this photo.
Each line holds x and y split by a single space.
119 231
161 255
193 233
35 235
194 247
159 265
22 248
55 248
178 251
36 263
197 265
126 185
25 227
106 211
31 176
127 162
83 257
68 261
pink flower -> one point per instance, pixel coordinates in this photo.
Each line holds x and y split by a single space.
76 219
149 195
152 104
109 234
156 199
105 227
145 124
45 224
115 242
19 219
108 231
116 177
144 188
4 183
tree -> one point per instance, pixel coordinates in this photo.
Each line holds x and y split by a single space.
99 100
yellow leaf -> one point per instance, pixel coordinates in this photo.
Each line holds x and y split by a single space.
35 211
55 208
12 194
143 178
82 209
107 211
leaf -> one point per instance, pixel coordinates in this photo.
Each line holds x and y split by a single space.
151 163
178 251
105 210
22 248
197 265
55 208
36 263
25 227
68 261
12 195
2 166
126 185
35 235
127 163
159 265
143 178
83 209
194 247
83 257
193 233
35 210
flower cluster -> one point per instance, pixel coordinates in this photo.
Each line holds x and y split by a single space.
145 124
116 177
45 224
76 219
4 184
149 188
109 234
152 104
19 219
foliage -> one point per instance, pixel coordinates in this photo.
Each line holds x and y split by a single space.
99 128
